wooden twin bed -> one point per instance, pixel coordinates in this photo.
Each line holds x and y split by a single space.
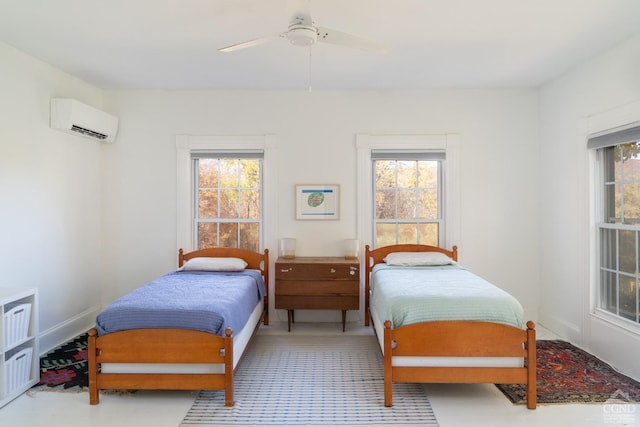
448 351
176 358
434 351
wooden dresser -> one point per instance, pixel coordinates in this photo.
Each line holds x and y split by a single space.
329 283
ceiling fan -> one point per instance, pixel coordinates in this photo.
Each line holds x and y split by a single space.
302 31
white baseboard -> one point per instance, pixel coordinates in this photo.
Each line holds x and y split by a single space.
63 332
561 327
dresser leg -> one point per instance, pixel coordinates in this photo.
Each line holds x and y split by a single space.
344 319
290 319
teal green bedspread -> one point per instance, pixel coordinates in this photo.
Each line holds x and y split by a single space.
407 295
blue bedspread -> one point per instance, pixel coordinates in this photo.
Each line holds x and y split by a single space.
203 301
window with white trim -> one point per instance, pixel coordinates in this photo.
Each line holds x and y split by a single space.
617 185
408 197
227 199
447 146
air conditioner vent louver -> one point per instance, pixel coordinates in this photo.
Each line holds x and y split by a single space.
74 117
88 132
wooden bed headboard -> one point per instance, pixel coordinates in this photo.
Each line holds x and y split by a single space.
376 256
255 260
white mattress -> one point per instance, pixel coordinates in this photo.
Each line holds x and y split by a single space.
437 361
240 342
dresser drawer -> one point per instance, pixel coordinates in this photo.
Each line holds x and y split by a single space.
315 271
317 302
317 287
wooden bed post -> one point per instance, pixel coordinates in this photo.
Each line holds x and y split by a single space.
531 365
94 393
228 368
388 374
180 257
454 253
265 274
367 277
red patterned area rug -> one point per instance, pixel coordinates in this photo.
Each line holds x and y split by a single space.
567 374
66 367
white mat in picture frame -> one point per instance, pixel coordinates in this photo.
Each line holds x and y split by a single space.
317 201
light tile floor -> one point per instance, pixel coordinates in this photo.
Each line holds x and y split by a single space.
455 405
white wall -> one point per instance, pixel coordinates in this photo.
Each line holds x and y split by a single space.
607 82
316 144
87 222
50 197
100 220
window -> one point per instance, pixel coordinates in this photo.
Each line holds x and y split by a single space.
227 200
418 191
407 197
226 193
617 160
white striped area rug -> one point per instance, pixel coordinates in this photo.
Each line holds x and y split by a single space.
289 380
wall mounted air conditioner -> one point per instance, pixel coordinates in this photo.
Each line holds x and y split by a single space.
69 115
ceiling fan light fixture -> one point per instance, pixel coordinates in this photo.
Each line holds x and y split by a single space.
302 35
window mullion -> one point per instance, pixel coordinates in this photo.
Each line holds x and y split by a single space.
636 311
617 284
637 303
196 199
396 200
620 182
442 201
238 202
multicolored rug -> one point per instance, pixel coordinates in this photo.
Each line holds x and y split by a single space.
289 380
66 366
567 374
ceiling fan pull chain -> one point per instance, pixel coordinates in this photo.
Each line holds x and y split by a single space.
309 74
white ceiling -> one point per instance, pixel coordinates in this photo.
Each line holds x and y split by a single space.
172 44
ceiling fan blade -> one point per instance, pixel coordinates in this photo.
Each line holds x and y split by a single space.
327 35
250 43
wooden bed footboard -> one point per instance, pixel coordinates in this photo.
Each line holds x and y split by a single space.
171 346
460 339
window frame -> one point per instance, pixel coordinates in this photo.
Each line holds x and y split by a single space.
447 143
188 144
598 160
597 127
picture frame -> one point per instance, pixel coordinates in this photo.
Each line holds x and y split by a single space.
317 201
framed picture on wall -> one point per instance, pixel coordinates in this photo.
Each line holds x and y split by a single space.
317 201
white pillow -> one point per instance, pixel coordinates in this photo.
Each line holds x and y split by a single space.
407 259
214 264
